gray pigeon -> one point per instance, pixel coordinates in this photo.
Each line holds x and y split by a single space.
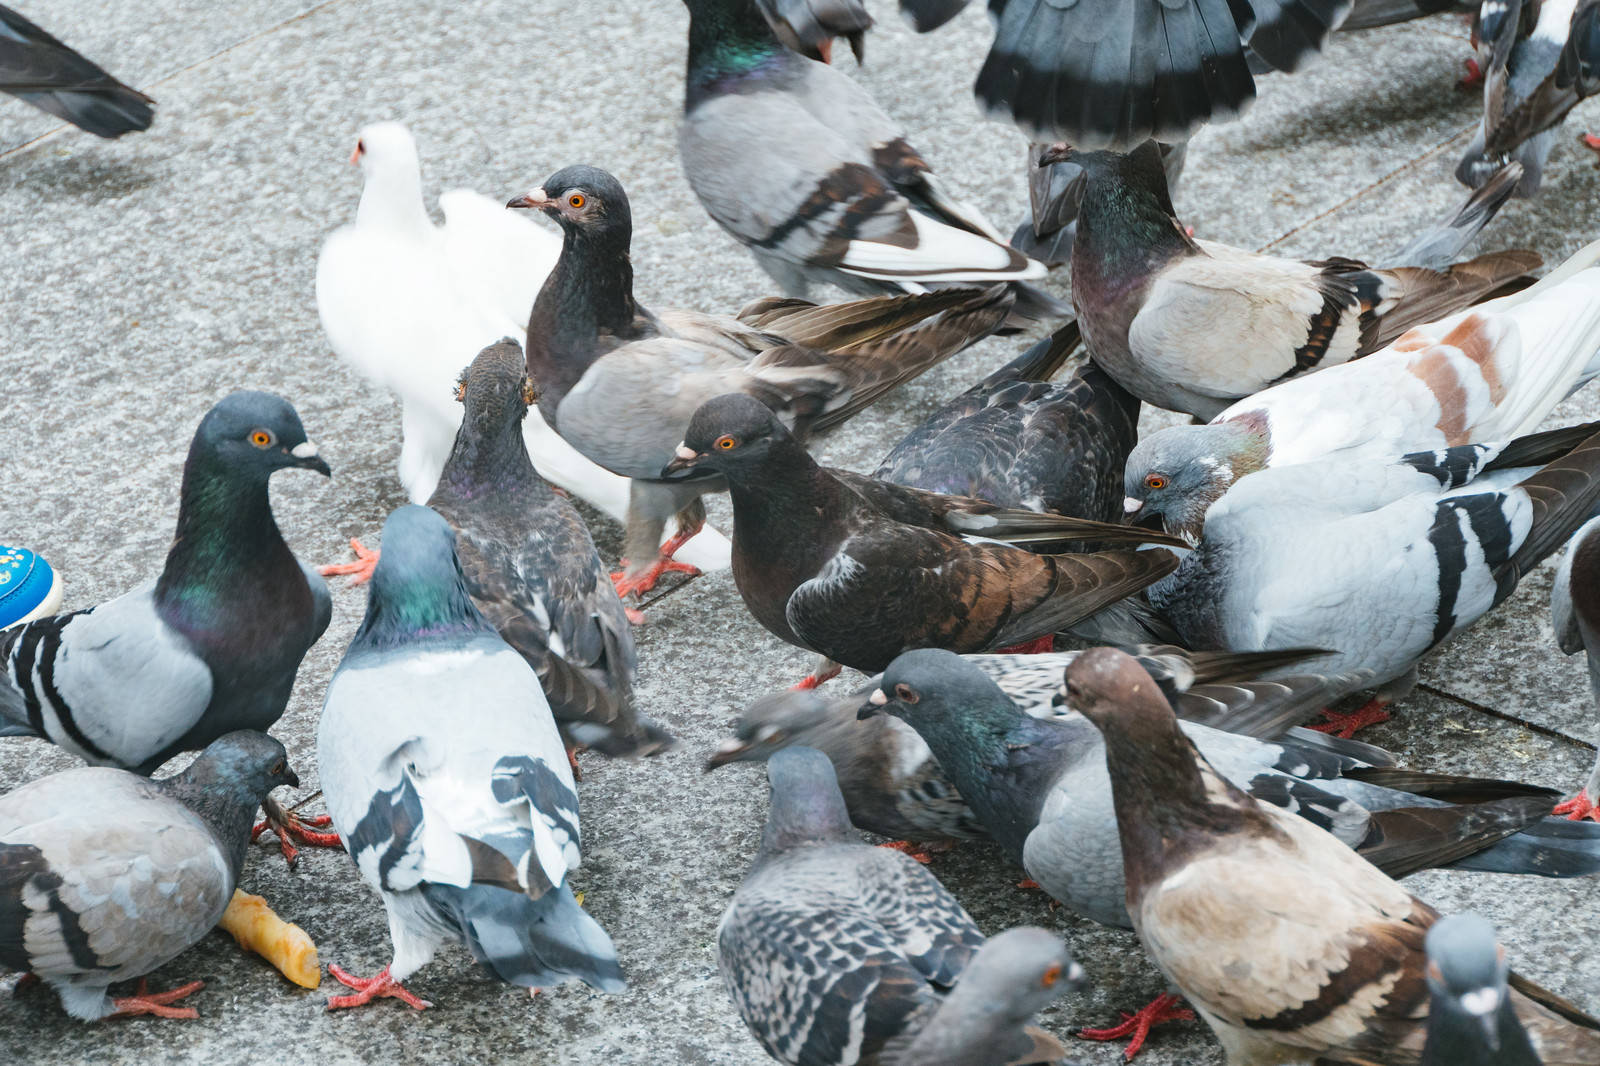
446 779
209 647
1575 616
1040 787
1054 192
1471 1018
38 69
798 163
106 875
1291 946
837 953
619 383
1193 325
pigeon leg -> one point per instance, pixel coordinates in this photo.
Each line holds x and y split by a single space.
923 853
1137 1026
1472 78
632 579
1578 807
26 981
369 989
1590 141
360 571
289 827
825 670
1343 724
1042 646
572 761
159 1004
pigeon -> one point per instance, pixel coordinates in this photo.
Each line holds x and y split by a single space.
446 779
1054 192
838 953
1018 441
892 784
40 70
407 304
1407 553
824 565
619 382
1370 14
106 875
1492 372
1471 1017
1290 945
1575 617
799 164
1039 786
1192 325
1539 58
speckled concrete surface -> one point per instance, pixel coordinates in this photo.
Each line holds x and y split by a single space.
146 278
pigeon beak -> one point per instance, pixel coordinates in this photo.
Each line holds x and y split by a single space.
731 750
684 458
537 198
306 453
871 709
292 778
1059 152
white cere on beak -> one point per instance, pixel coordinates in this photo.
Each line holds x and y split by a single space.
1130 505
304 450
877 699
1481 1001
685 452
731 747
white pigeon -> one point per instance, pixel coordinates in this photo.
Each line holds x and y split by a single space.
447 781
408 304
1490 373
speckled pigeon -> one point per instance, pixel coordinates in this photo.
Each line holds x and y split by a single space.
1291 946
37 68
799 164
1575 617
1193 325
619 382
106 875
446 779
209 647
836 953
1472 1020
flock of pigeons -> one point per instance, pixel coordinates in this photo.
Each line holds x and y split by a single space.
1163 779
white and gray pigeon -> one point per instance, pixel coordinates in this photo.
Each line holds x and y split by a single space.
408 303
836 953
1471 1018
1403 555
798 163
620 382
209 647
1039 786
1539 58
1490 373
448 784
1575 617
106 875
38 69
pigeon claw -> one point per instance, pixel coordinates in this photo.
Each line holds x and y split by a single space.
360 571
1590 141
1136 1027
158 1004
572 761
289 827
813 679
1472 78
1344 724
920 852
1578 808
628 583
369 989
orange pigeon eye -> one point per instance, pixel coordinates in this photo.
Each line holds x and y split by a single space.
1155 481
1051 976
261 438
727 444
576 200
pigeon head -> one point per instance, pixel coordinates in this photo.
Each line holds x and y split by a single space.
1467 970
727 434
771 724
385 148
245 763
1113 691
807 806
495 388
417 591
1020 972
1174 476
251 434
942 695
582 200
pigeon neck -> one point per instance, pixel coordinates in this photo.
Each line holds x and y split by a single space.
1127 228
226 808
392 199
727 42
587 297
226 534
1456 1036
410 605
812 816
785 491
487 460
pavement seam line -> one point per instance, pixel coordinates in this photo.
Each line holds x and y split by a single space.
1474 705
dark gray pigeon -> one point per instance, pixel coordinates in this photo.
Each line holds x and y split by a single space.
106 875
619 383
836 953
1471 1018
446 779
209 647
37 68
798 163
1291 946
1193 325
1040 787
1575 617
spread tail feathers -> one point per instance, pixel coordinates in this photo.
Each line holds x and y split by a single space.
1441 246
536 943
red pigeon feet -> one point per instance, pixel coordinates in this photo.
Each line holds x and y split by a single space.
1137 1026
360 571
144 1001
923 853
644 582
289 827
1590 141
1343 724
813 679
1472 78
572 761
370 989
1578 808
1043 645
